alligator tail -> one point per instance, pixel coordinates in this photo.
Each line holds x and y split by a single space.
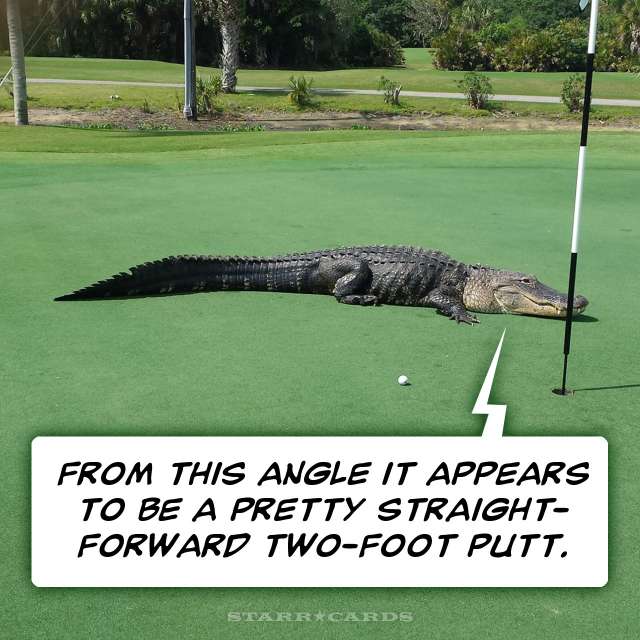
190 274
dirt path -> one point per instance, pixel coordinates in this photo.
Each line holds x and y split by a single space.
129 118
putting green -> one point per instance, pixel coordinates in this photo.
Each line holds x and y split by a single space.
80 205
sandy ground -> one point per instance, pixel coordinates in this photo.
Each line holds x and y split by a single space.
130 118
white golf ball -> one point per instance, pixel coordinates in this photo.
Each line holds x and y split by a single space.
403 380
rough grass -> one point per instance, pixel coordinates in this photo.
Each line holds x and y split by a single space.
96 97
418 74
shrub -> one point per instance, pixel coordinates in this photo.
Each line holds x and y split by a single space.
500 33
390 89
531 52
511 46
572 95
557 48
385 49
477 89
459 50
367 46
611 54
232 128
300 92
178 102
152 126
206 92
571 36
96 125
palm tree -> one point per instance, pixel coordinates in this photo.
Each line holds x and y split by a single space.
629 23
632 14
16 45
230 16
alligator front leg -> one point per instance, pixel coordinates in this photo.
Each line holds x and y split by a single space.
449 306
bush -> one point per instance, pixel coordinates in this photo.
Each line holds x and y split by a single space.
206 93
500 33
152 126
510 46
530 52
390 89
477 89
572 95
571 43
459 50
367 46
611 54
558 48
178 102
301 93
386 51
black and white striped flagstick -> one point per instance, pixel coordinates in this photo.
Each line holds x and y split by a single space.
591 52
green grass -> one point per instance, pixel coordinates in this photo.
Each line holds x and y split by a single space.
418 75
96 97
80 205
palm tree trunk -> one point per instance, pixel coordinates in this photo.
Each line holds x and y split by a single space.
635 39
230 13
16 45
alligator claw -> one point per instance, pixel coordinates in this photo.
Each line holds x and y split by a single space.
364 300
464 318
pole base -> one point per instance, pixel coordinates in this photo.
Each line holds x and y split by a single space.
562 392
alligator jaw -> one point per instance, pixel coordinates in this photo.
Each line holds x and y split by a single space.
556 309
499 291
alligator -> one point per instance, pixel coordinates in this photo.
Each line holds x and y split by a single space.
370 275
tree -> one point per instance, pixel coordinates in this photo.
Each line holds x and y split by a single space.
428 18
230 16
390 16
631 13
16 46
475 14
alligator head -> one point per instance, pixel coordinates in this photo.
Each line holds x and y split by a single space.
496 291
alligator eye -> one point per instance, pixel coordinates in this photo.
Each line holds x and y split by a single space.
526 280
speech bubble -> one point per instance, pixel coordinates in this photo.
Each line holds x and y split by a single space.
496 413
321 511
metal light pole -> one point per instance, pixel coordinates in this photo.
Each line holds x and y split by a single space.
591 53
190 110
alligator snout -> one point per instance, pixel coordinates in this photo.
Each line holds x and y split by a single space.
579 304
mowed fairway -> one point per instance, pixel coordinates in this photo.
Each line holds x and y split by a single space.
78 206
417 74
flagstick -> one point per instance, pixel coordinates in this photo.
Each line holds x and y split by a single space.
591 52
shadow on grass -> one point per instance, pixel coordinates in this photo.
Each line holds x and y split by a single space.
488 108
580 318
263 91
609 388
124 132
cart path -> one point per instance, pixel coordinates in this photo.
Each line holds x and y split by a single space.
610 102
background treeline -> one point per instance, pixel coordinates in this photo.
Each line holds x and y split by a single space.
527 35
285 33
519 35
